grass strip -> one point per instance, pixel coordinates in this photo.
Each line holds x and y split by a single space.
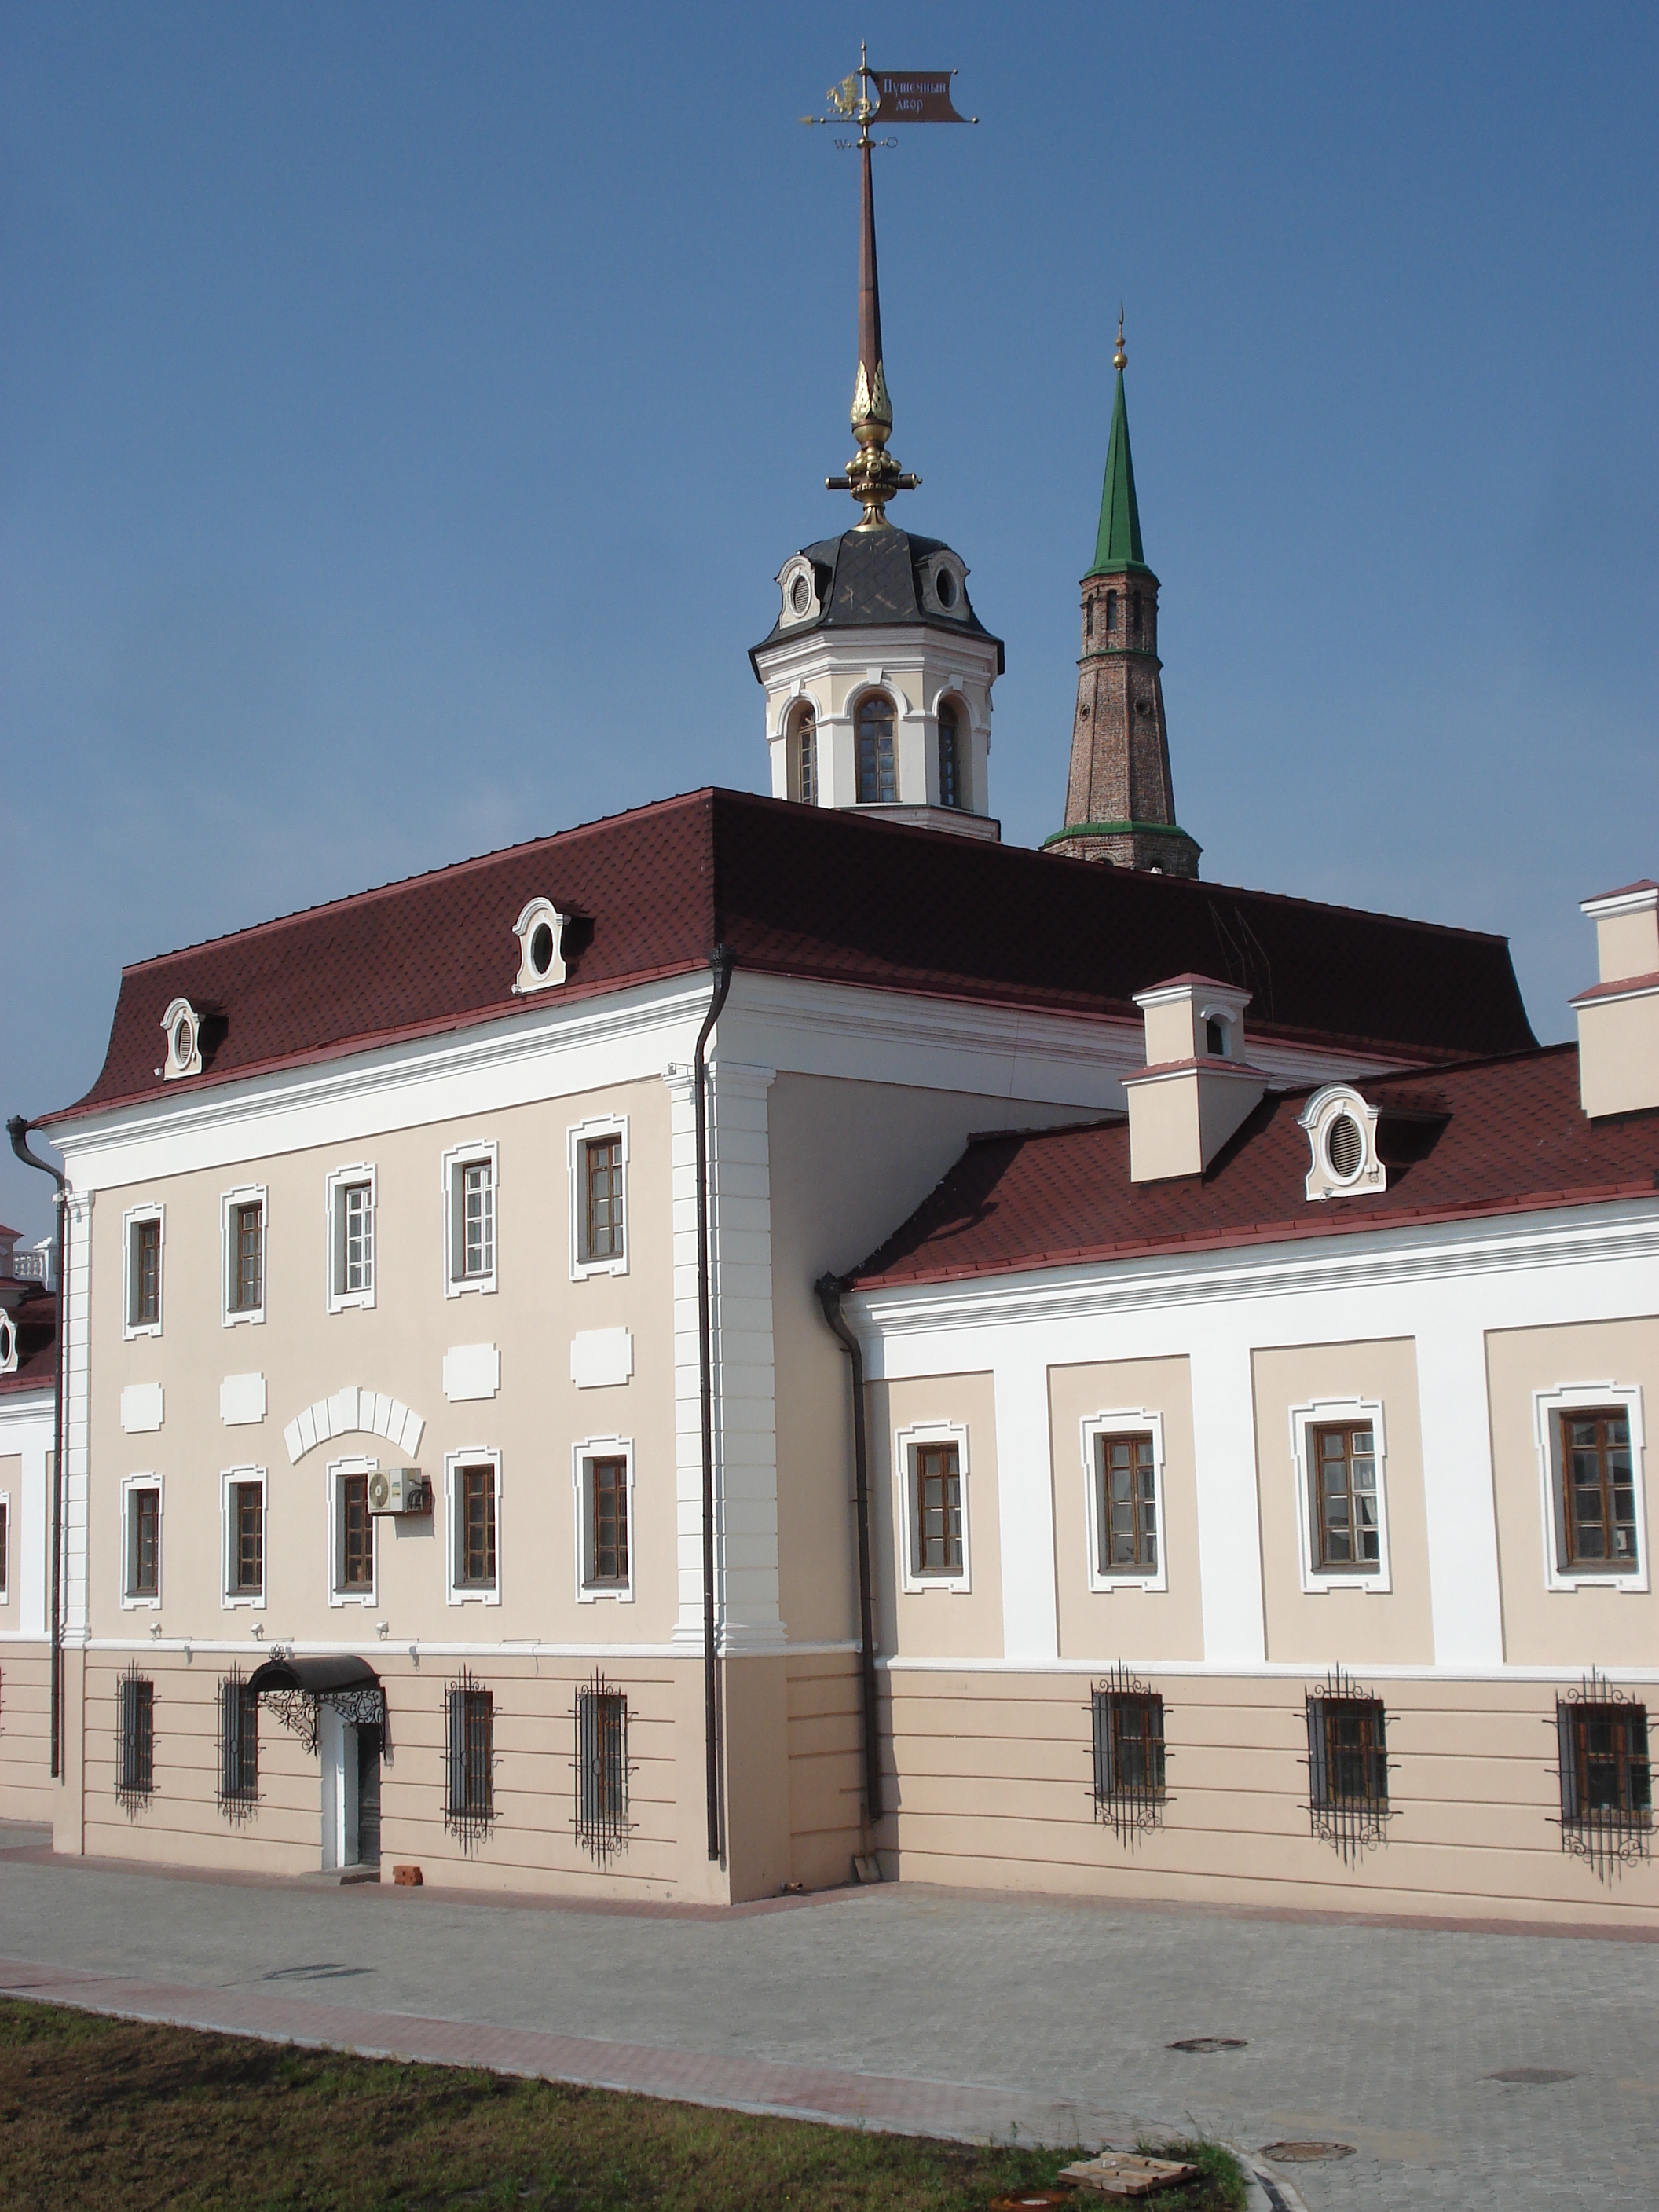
117 2115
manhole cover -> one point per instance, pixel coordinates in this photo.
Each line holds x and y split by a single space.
1209 2042
1533 2074
1305 2154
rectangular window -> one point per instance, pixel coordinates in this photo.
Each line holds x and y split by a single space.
247 1276
470 1755
1126 1470
357 1534
478 1218
135 1719
1605 1775
144 1275
602 1179
247 1504
608 1520
470 1186
5 1549
1598 1490
143 1542
476 1489
938 1510
355 1234
1128 1747
239 1742
1347 1752
601 1769
1347 1529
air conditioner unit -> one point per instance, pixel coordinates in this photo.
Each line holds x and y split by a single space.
399 1490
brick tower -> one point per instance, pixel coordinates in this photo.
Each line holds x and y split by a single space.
1120 796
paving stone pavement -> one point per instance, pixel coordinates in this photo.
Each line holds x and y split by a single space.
938 2011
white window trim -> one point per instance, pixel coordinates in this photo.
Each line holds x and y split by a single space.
339 1182
1546 1407
242 1195
577 1135
6 1549
1336 1413
535 912
338 1594
454 1159
1130 1421
130 1603
904 1471
152 1210
230 1599
456 1592
582 1456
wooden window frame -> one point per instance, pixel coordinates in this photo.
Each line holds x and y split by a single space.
909 1444
870 700
1323 1534
234 1595
342 1472
233 1206
457 1160
801 744
476 1459
1097 1431
134 1222
1552 1408
134 1487
612 1169
1584 1764
587 1460
5 1548
342 1182
1306 1422
135 1737
1131 1765
596 1129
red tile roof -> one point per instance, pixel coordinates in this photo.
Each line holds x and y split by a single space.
1505 1136
36 1318
811 892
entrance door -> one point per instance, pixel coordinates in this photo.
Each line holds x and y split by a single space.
368 1796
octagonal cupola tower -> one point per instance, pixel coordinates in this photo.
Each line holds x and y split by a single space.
878 673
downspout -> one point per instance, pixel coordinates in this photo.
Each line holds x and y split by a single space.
721 966
18 1129
828 1288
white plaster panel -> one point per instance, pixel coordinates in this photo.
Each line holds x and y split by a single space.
600 1358
471 1371
141 1407
242 1399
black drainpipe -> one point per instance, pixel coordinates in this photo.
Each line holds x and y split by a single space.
828 1288
721 965
18 1129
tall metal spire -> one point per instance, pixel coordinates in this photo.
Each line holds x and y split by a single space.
1117 543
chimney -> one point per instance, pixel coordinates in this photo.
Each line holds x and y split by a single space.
1197 1087
1619 1015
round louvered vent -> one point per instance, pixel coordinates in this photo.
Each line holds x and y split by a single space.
800 595
1344 1148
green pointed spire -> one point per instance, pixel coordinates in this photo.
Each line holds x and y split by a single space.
1117 547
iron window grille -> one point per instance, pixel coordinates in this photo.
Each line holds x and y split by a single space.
1606 1784
602 1225
1347 1766
134 1738
469 1759
601 1769
239 1746
1129 1755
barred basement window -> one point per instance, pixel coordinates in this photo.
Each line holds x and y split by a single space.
1606 1784
1347 1766
601 1769
469 1759
1129 1755
239 1746
134 1738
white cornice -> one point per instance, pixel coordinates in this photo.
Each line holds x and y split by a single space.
1563 1237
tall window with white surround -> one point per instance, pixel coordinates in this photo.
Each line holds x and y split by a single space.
471 1186
351 1211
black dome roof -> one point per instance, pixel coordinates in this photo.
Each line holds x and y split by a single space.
867 580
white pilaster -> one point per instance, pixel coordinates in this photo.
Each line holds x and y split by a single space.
1229 1509
76 1322
1026 1506
1464 1593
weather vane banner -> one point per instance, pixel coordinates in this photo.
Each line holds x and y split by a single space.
916 96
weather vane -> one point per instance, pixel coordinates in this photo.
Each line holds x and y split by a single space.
896 96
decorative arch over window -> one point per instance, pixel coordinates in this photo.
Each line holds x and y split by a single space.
877 727
540 932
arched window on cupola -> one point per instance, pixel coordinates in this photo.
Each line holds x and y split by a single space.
950 791
804 755
1111 612
877 758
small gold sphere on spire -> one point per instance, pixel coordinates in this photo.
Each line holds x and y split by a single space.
1119 359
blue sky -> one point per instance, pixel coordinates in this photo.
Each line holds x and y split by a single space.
407 409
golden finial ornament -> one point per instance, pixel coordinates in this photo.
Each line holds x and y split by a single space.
1119 359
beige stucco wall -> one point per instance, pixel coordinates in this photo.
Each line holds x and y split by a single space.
993 1772
27 1789
1600 1624
937 1622
1619 1055
1359 1625
304 1353
849 1162
1104 1625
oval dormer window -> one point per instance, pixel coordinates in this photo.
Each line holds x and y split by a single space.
800 595
948 589
1344 1148
540 931
1341 1128
182 1025
7 1344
